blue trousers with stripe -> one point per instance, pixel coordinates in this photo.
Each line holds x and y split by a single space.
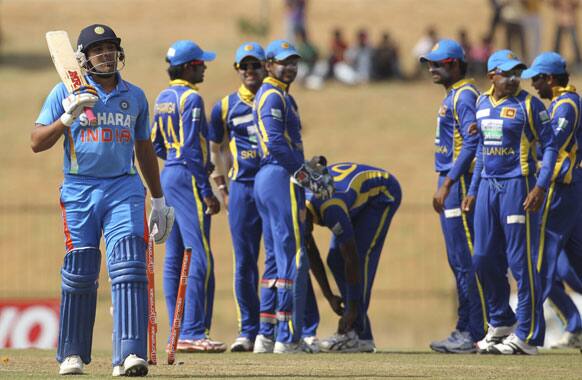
561 213
245 230
281 205
507 237
191 229
458 230
371 226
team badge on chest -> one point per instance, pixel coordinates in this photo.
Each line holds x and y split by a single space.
508 112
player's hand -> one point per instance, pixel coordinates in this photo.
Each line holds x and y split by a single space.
336 304
534 199
75 103
212 205
162 216
346 322
224 195
473 129
314 176
468 203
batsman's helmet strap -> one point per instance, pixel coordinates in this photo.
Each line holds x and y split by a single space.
96 33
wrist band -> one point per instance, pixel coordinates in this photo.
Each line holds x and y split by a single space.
221 187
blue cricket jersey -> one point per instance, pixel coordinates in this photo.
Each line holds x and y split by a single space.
455 148
355 185
232 117
565 117
106 150
509 130
275 114
180 131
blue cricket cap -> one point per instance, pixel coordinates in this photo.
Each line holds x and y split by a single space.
546 63
184 51
444 49
503 60
249 49
280 50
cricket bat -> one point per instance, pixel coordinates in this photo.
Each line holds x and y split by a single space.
152 317
67 65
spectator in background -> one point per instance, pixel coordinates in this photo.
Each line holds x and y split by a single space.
422 47
386 59
513 17
295 15
496 9
308 52
338 49
532 24
566 12
359 57
464 41
479 55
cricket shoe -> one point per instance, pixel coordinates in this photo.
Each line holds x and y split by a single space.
348 342
72 365
512 345
204 345
569 340
366 345
263 345
457 343
292 348
242 344
312 342
133 366
441 345
495 335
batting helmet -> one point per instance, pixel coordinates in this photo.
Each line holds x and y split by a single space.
96 33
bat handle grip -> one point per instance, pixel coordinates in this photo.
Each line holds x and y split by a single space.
90 115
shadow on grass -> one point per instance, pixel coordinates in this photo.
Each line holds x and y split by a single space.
25 61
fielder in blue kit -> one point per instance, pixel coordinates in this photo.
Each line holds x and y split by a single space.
180 137
511 123
231 123
359 215
454 154
102 194
280 200
563 204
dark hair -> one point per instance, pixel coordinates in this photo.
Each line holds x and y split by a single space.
463 67
175 72
562 79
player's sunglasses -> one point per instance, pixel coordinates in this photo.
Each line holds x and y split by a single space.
508 74
539 77
442 63
196 63
249 66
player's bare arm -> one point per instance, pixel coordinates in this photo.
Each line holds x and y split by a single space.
148 164
43 137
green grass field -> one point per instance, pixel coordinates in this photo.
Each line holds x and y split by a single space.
384 364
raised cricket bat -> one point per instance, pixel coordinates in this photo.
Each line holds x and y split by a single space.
67 65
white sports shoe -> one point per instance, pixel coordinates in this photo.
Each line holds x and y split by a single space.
494 336
366 345
341 343
242 344
263 345
72 365
291 348
569 340
512 345
441 345
133 366
313 343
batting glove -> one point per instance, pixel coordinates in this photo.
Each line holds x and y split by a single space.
314 176
162 216
75 103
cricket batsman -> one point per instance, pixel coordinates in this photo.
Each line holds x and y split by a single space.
102 193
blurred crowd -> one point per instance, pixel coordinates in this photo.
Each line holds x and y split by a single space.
513 24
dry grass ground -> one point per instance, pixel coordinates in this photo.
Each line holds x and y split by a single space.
389 125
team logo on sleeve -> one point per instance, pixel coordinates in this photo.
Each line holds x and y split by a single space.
337 229
276 113
508 112
442 110
124 105
562 124
544 117
196 114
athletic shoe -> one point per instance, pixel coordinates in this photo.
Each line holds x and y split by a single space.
312 342
204 345
495 335
242 344
133 366
512 345
441 345
463 345
366 345
291 348
72 365
569 340
263 345
341 343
